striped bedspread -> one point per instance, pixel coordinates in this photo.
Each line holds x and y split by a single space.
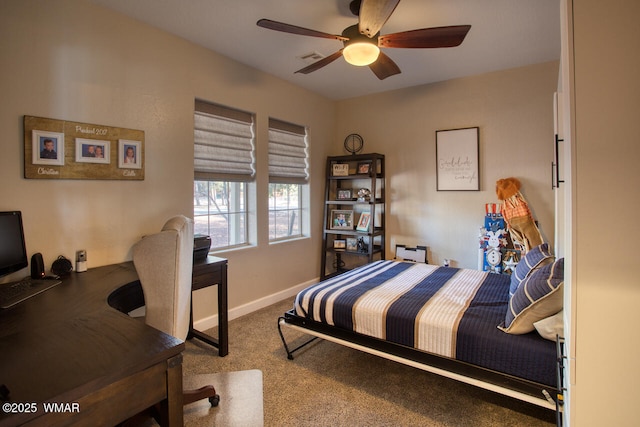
446 311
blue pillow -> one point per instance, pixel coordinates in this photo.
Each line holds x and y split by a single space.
538 296
535 258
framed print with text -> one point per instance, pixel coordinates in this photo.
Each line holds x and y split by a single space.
340 169
64 149
457 152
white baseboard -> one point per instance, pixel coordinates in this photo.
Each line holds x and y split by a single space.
235 312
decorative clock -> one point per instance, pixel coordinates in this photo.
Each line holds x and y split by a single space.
353 143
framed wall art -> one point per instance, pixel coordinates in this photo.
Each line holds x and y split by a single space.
93 151
47 148
129 154
457 152
62 149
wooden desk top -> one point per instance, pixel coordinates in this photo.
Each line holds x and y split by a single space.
67 342
210 259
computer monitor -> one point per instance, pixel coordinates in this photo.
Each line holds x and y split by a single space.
13 253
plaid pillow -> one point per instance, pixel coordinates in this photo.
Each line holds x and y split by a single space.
534 259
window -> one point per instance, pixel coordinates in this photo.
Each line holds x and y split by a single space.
285 211
224 170
288 176
220 211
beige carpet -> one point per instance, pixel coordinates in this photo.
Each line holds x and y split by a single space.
331 385
241 406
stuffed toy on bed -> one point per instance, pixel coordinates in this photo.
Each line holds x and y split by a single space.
515 210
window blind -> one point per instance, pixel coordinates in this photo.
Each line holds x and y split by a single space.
288 157
224 147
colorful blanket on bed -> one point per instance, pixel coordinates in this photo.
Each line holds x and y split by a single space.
446 311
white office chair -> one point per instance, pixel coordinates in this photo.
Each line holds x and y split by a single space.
164 263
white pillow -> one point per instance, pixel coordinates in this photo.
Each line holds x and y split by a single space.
551 326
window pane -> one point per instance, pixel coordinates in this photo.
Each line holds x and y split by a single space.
219 211
284 211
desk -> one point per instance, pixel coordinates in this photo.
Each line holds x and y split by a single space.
69 346
210 271
207 272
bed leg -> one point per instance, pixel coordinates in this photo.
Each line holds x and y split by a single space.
284 342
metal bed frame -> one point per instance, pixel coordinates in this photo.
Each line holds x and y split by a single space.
518 388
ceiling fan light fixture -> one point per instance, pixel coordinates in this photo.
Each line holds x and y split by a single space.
361 53
359 49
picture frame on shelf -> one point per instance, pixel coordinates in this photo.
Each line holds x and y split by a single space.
341 219
339 244
352 244
340 169
344 194
364 168
364 222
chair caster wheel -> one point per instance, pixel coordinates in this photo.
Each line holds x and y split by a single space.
214 400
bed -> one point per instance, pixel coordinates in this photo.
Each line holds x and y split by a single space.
460 323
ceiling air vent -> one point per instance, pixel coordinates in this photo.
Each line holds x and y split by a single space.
311 57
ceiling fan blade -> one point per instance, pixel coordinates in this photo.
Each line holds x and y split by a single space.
426 38
373 15
293 29
384 67
321 63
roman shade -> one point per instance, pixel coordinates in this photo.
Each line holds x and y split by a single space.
224 147
288 158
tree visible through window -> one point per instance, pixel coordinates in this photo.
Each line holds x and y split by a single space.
220 211
285 211
288 180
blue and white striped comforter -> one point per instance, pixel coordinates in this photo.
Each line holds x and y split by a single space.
446 311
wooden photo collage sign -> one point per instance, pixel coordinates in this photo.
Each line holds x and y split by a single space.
60 149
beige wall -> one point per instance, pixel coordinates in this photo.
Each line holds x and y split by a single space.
77 61
606 138
71 60
514 112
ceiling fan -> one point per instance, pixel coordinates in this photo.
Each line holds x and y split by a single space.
362 42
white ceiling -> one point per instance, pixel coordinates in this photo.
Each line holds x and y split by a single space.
504 34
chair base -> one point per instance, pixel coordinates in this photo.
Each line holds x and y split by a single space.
206 392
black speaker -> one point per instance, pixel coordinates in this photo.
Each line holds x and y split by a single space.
37 266
61 266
